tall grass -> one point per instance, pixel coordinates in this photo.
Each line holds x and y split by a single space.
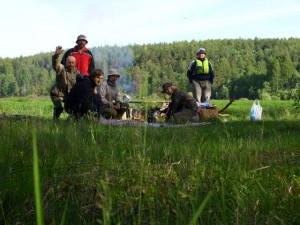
234 172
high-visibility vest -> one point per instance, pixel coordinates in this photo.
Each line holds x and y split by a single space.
201 67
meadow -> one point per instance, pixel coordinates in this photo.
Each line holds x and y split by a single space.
232 171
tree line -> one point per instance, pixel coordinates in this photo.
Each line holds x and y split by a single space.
244 68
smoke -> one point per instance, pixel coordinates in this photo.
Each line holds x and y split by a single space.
127 85
117 57
120 58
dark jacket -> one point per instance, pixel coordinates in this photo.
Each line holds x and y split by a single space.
192 75
181 100
82 99
84 61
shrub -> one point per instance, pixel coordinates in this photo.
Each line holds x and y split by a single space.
297 99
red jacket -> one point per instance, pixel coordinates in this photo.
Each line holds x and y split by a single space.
84 61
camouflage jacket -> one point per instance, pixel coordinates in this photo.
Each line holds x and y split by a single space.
181 100
65 79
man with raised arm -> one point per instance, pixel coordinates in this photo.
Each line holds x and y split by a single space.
65 79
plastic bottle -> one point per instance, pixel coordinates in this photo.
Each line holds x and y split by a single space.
207 102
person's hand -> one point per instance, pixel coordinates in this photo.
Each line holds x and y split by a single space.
95 91
58 50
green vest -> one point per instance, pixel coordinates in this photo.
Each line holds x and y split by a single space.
201 67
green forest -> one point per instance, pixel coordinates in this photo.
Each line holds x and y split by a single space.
244 68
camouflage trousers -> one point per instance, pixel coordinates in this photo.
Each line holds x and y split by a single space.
183 116
58 106
110 113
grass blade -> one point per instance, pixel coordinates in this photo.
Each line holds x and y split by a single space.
65 211
36 180
200 209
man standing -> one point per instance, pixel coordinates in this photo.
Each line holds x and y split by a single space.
113 107
84 57
65 79
182 107
83 98
201 75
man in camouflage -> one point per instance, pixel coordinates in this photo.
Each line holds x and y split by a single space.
182 108
65 79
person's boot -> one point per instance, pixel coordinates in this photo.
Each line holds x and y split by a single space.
57 112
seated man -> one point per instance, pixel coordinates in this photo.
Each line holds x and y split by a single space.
113 107
83 98
182 108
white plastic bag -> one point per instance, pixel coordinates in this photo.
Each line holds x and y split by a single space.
256 111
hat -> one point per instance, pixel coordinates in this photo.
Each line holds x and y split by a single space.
165 86
201 51
113 72
81 37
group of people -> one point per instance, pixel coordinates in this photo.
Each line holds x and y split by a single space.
77 88
80 91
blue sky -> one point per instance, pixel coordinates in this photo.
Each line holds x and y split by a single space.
34 26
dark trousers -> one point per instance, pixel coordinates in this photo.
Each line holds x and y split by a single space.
94 109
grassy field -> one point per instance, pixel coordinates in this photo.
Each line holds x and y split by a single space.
233 171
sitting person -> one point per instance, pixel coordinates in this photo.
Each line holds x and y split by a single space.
182 108
113 107
83 98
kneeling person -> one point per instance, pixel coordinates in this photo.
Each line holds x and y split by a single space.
83 98
182 108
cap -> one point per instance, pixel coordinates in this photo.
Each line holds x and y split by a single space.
113 72
81 37
165 86
201 51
